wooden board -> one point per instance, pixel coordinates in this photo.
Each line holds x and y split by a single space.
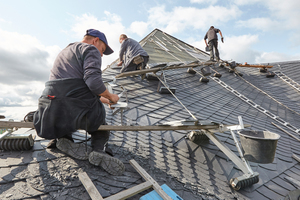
147 177
7 124
154 70
255 66
131 191
89 186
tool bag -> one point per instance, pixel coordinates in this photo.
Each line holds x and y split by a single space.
138 60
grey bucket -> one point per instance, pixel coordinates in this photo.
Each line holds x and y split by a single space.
259 146
206 71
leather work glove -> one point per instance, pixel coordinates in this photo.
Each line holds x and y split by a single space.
222 39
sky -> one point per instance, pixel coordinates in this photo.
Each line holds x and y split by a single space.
33 32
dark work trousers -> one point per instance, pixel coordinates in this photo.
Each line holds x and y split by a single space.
99 139
213 44
133 67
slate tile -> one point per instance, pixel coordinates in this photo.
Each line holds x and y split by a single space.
269 193
172 137
14 159
37 146
19 172
291 174
284 158
6 175
276 188
26 189
9 191
271 166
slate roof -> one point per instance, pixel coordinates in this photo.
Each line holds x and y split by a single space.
193 171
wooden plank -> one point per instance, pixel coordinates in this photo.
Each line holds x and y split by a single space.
154 128
286 132
296 157
147 177
154 70
89 186
131 191
7 124
255 66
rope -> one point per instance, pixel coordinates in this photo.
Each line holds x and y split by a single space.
177 98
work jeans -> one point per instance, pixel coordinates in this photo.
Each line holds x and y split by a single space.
213 44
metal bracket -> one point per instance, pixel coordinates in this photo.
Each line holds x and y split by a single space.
121 106
165 88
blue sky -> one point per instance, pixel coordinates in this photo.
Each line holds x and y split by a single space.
33 32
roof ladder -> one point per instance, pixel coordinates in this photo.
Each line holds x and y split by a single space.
288 80
256 106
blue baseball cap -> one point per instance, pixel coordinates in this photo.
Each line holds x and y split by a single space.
101 36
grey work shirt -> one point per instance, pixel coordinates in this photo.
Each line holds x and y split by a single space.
130 49
80 60
212 34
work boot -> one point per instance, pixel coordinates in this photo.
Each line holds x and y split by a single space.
101 156
141 66
75 150
52 143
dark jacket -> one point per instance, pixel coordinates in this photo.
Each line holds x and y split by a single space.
130 49
65 106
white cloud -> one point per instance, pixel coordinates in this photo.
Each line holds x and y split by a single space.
182 18
138 27
239 48
246 2
204 1
263 24
282 14
268 57
110 25
4 21
25 64
287 10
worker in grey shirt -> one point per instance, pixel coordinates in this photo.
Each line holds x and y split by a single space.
132 56
72 100
212 37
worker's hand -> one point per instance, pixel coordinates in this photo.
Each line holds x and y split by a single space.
113 99
120 63
222 39
104 100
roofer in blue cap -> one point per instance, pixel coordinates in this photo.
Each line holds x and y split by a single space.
73 99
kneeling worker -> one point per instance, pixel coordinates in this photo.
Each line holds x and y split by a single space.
72 100
135 57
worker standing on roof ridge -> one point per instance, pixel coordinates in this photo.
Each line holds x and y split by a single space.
212 37
135 57
72 100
